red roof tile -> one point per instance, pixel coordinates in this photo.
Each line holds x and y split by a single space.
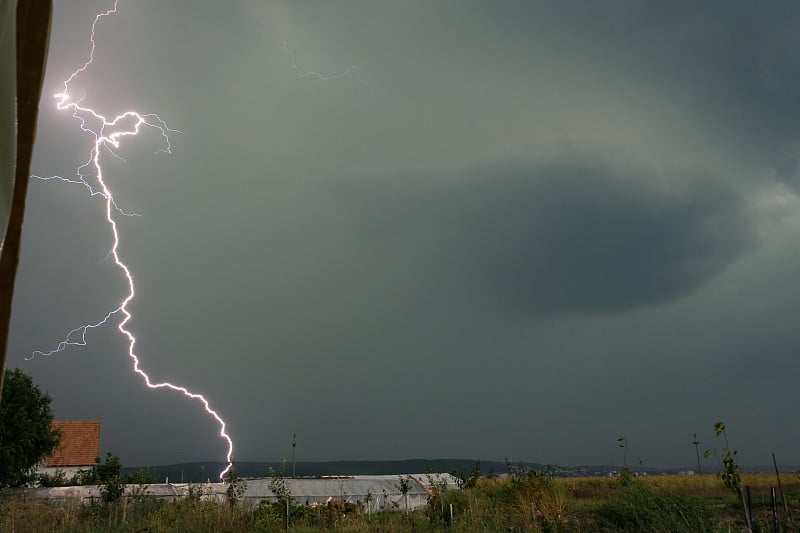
80 443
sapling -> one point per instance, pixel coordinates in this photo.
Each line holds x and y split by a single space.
730 474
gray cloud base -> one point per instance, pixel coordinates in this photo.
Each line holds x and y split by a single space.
576 232
516 230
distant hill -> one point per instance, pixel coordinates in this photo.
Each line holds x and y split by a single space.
192 472
197 471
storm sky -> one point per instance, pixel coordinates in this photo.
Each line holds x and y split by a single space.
516 229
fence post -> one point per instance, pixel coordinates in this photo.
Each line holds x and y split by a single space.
774 508
780 489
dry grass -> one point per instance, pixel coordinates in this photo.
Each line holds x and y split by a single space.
561 504
24 517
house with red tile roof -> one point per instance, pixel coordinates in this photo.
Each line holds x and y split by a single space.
78 450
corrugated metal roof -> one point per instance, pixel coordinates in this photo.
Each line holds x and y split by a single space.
339 488
80 443
384 491
88 492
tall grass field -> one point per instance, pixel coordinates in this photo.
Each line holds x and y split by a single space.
526 502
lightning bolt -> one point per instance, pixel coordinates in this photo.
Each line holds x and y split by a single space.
313 74
108 134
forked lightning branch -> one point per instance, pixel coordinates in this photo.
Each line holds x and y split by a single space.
109 134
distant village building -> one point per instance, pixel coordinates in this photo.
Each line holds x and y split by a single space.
78 450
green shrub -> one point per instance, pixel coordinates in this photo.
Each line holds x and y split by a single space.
56 479
644 510
109 475
143 476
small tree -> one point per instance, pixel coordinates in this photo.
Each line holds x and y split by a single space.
404 486
528 483
697 453
109 475
437 494
730 475
236 487
467 479
285 504
143 476
26 429
279 487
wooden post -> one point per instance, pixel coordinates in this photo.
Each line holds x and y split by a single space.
746 513
780 489
406 498
451 515
774 508
749 506
287 514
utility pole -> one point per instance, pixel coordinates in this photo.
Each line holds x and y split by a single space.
622 442
294 445
697 453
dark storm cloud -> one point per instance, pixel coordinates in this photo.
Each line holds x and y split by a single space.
738 63
575 233
732 69
789 173
405 243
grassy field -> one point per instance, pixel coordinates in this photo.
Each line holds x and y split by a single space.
530 502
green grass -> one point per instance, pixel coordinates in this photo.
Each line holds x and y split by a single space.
522 504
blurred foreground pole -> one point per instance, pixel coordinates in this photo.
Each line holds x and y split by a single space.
774 508
749 506
780 488
32 37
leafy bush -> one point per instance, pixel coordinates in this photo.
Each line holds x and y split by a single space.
438 504
56 479
467 479
109 475
236 487
146 476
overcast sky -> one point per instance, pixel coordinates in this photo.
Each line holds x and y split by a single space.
516 229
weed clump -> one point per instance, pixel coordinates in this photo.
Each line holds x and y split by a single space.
644 510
